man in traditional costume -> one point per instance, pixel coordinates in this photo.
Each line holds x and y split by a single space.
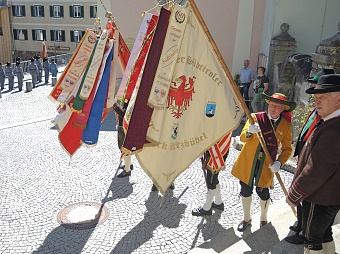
306 130
214 189
252 167
317 177
127 167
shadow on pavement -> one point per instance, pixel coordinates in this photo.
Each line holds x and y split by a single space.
167 214
62 240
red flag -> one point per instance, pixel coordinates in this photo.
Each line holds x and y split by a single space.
44 50
123 53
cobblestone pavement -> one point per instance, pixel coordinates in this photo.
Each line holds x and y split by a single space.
38 180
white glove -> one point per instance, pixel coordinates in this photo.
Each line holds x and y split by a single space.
254 128
275 167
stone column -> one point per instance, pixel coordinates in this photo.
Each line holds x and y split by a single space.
281 47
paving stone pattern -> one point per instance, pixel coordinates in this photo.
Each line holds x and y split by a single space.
38 179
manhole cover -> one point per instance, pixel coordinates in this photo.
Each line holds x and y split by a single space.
83 215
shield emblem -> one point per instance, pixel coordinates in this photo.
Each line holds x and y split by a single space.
210 109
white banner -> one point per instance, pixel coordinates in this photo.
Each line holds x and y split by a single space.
201 108
161 84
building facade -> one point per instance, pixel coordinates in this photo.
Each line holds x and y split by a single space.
243 29
61 24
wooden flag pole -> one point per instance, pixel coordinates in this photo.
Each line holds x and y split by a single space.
235 89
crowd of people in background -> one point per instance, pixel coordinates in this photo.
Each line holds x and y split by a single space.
38 68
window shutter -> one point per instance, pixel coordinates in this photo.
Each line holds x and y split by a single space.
15 32
71 11
62 11
91 11
82 11
32 11
25 34
13 11
63 35
23 10
33 34
52 35
42 11
72 36
51 11
44 35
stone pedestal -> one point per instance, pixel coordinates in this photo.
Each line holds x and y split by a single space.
281 47
327 54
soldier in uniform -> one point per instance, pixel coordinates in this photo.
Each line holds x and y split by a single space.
40 69
317 177
33 70
252 167
46 66
10 75
20 75
54 71
2 77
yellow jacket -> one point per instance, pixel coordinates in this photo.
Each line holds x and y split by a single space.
244 166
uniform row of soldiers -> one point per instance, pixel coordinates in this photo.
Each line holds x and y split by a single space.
35 68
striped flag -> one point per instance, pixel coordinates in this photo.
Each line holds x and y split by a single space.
217 151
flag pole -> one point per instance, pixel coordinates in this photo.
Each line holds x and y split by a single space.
235 89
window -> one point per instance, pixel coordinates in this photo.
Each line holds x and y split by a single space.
93 11
76 35
56 11
1 33
39 34
18 10
37 11
57 35
20 34
77 11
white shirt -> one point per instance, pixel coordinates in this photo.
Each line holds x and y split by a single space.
334 114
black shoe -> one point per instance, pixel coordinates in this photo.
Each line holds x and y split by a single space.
219 207
154 188
124 173
295 229
294 239
200 212
243 225
123 167
172 186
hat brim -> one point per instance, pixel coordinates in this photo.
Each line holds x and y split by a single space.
288 105
312 80
316 90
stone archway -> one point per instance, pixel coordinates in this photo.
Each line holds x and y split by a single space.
294 72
